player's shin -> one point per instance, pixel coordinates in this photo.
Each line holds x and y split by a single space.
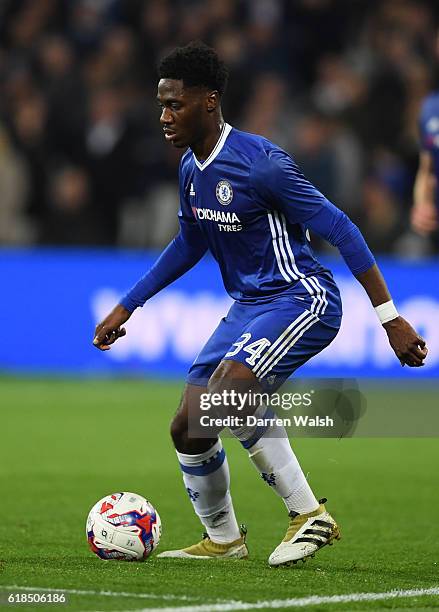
270 452
207 480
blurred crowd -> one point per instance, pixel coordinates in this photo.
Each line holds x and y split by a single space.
337 83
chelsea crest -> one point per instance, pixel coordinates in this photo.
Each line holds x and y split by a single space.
224 193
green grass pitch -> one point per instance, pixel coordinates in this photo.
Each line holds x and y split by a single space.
64 444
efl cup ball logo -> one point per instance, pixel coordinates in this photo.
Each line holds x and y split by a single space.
224 193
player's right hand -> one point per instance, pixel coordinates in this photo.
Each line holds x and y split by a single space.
109 330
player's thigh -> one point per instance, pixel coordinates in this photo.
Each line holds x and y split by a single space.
311 340
211 355
278 341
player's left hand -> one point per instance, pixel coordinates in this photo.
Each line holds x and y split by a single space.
409 346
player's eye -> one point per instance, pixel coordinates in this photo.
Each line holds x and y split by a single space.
171 105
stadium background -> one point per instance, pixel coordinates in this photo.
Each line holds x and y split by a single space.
88 195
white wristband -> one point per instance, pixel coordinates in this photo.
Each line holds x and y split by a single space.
386 312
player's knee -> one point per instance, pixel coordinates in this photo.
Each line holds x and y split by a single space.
183 442
179 431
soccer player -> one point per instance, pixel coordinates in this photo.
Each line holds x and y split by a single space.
425 211
245 200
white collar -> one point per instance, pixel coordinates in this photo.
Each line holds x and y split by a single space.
216 149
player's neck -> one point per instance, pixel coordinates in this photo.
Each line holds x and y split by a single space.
204 147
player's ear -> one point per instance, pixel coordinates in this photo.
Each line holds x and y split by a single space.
212 101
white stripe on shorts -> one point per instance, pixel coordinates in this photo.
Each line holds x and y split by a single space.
286 346
283 340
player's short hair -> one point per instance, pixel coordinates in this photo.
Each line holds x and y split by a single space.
197 65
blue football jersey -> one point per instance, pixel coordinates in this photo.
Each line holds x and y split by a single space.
249 204
429 131
253 223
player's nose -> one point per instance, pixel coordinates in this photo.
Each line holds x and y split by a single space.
165 117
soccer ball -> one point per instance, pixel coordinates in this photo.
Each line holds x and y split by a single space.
123 526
